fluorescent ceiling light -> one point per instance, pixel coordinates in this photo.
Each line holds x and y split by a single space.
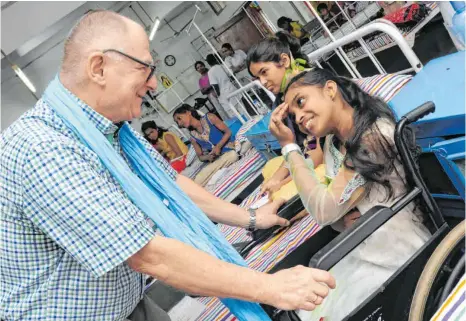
154 28
24 78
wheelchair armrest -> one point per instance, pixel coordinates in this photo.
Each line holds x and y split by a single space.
345 242
367 224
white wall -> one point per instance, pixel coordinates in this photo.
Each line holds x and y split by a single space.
15 94
16 100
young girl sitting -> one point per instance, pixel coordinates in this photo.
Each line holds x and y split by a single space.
362 170
168 144
211 139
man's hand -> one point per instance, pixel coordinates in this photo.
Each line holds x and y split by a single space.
194 271
300 215
297 288
266 216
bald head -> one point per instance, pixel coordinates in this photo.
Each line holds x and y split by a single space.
96 31
107 64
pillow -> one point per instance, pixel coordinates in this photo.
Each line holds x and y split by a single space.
241 139
245 147
383 86
190 156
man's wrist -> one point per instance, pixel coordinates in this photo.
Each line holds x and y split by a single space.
252 220
262 289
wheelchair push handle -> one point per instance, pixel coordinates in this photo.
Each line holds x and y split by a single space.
420 112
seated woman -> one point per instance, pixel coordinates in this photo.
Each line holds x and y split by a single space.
362 169
168 144
211 139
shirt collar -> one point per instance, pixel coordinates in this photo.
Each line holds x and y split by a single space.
103 124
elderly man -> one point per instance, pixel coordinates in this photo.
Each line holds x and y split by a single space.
72 244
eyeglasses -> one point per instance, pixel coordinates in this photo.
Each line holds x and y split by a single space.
150 66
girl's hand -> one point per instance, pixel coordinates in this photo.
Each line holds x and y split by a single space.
278 128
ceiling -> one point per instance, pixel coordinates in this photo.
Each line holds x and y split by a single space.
25 42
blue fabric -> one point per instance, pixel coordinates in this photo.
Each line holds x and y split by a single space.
150 189
215 136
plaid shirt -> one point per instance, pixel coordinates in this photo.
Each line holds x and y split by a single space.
66 226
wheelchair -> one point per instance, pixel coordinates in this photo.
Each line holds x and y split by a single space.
427 277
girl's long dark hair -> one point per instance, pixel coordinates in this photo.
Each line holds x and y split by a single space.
151 124
185 108
367 110
269 50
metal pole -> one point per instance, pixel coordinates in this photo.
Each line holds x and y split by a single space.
269 22
404 71
363 44
237 113
249 86
134 11
192 20
318 64
220 58
142 8
344 58
253 21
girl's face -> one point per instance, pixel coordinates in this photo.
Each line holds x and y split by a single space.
152 133
183 120
200 69
313 107
271 73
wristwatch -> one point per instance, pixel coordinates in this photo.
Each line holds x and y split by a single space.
252 220
287 149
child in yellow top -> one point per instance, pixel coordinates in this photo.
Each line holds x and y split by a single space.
168 144
294 28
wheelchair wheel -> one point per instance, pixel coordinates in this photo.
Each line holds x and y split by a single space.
429 286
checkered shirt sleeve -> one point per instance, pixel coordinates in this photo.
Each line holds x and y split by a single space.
80 209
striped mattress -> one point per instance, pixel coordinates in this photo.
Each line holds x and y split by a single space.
238 174
260 258
454 307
